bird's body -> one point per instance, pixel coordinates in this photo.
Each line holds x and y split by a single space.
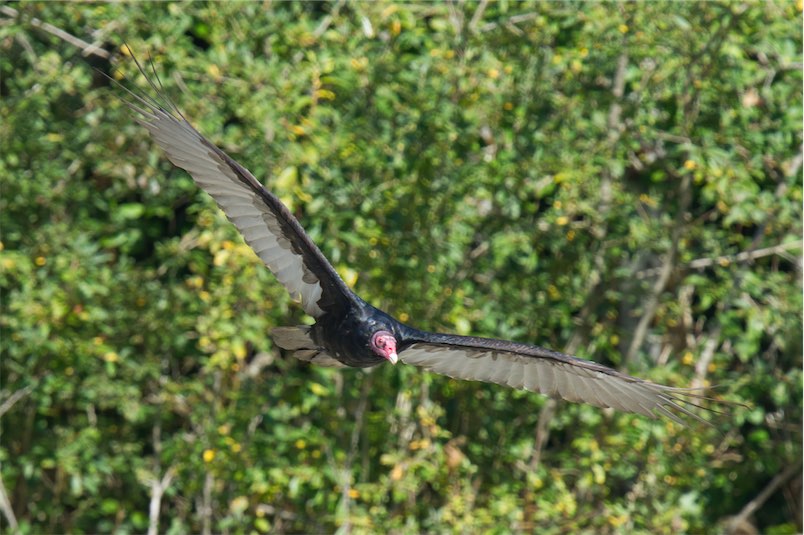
349 332
347 337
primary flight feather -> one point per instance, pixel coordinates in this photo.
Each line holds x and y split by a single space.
350 332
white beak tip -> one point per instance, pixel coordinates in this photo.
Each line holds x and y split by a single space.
393 358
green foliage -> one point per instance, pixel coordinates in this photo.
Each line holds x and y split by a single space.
620 179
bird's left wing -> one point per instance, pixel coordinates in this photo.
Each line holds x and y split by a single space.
265 223
548 372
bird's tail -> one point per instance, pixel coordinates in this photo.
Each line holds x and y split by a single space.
300 342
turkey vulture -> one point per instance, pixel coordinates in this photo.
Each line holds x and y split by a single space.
350 332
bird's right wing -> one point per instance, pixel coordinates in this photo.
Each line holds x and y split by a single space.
548 372
265 223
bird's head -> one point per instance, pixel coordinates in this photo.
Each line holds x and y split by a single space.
383 343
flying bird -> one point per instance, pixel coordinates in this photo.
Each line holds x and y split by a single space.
348 331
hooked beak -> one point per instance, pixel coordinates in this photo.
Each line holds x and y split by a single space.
392 357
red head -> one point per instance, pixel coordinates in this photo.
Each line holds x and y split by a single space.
383 343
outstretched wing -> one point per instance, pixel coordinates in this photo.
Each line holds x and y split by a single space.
548 372
265 223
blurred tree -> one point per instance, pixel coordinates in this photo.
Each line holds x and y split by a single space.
619 180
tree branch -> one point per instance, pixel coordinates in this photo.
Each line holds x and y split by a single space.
744 256
318 32
708 353
5 506
509 22
478 16
86 48
754 505
667 269
158 488
14 398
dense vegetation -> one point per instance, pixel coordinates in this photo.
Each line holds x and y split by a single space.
621 181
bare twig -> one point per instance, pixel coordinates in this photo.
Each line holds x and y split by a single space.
542 432
359 418
666 136
14 398
793 166
509 22
614 123
86 48
478 16
158 488
206 504
708 353
456 18
744 256
318 32
5 506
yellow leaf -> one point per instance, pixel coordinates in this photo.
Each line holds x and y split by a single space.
238 505
553 291
287 179
220 257
359 64
239 350
397 473
325 94
348 275
318 390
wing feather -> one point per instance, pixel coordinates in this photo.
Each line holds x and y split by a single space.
542 379
587 386
265 223
544 371
566 387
